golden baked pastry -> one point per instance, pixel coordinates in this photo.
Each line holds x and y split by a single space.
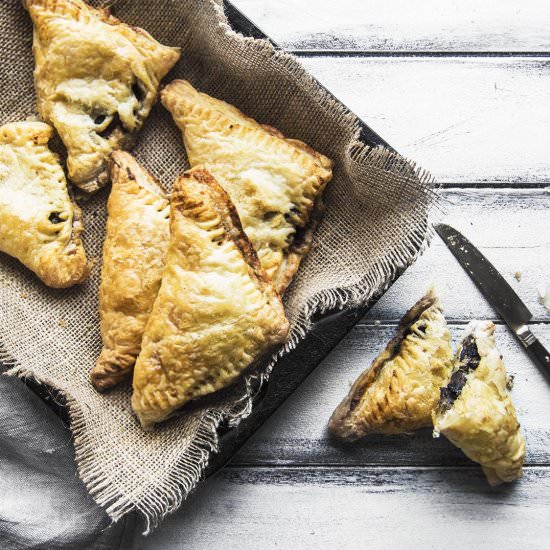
216 313
96 81
39 223
275 183
400 390
475 411
133 258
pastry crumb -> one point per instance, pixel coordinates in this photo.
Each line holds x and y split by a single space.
544 296
24 295
63 323
517 276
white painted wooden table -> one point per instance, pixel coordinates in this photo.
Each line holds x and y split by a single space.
462 87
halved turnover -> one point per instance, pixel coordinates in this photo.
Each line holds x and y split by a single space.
275 183
133 259
96 81
39 223
216 313
401 388
475 411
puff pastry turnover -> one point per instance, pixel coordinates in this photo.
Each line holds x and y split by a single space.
475 411
39 224
96 81
400 390
133 257
275 183
216 313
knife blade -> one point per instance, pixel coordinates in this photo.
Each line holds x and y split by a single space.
497 292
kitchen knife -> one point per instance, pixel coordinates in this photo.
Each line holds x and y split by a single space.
497 292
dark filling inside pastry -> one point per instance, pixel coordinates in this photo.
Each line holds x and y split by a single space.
54 217
468 361
138 91
301 237
111 127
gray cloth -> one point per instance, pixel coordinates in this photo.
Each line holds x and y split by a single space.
43 503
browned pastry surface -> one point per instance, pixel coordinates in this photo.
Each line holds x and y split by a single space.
216 314
275 183
96 81
401 388
476 412
133 258
39 223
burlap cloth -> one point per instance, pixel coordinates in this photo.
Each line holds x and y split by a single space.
375 224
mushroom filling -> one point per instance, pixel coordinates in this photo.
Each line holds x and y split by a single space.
468 361
138 91
55 218
111 127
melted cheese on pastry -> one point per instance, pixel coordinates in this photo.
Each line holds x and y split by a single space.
482 420
398 393
39 224
133 258
216 313
275 183
96 81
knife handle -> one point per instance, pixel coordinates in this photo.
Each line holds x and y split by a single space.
539 354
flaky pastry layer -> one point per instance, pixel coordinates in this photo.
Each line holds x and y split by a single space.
275 183
216 313
482 420
39 223
133 258
401 388
96 81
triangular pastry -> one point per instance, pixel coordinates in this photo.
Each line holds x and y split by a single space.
400 390
275 183
133 258
216 313
96 81
475 411
39 223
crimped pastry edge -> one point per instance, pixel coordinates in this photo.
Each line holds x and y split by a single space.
235 232
339 423
105 375
170 97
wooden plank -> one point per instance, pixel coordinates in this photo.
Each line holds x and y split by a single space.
296 433
357 509
401 25
467 120
511 227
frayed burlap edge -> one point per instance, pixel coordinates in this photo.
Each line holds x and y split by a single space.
189 470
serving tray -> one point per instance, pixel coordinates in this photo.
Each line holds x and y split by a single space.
296 366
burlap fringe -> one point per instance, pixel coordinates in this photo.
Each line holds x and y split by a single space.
189 470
